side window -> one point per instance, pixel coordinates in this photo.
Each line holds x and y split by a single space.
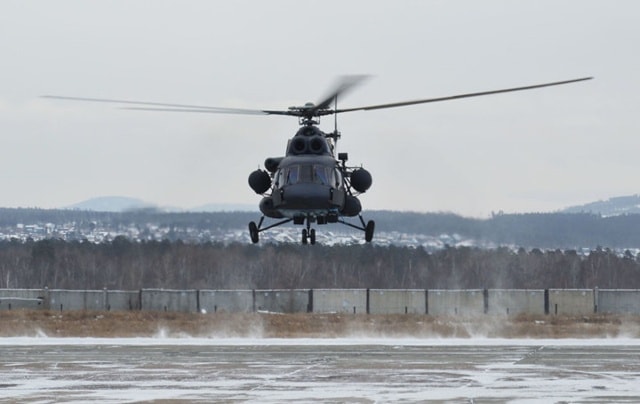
280 177
321 175
338 178
293 175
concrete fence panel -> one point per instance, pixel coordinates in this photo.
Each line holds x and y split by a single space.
185 301
468 302
11 299
515 301
340 301
282 300
123 300
397 301
571 301
95 300
618 301
59 299
229 301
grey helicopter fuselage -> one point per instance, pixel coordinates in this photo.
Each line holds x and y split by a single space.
308 183
305 185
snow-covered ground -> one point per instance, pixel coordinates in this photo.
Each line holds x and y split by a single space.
335 370
317 342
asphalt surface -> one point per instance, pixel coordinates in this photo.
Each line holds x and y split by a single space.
274 371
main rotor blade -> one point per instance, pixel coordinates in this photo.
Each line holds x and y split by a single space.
213 110
455 97
176 107
344 84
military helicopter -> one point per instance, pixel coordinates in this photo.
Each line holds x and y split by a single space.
312 182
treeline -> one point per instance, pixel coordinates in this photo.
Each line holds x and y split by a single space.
127 265
542 230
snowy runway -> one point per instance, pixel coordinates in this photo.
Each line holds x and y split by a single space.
332 370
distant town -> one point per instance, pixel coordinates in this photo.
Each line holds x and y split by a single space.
580 232
105 232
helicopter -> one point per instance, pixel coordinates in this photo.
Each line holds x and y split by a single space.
312 182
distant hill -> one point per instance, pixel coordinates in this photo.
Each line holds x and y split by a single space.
111 204
225 207
619 205
616 206
117 204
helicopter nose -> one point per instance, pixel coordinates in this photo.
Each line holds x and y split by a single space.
304 196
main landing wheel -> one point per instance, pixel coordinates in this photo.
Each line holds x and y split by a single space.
253 232
309 236
368 231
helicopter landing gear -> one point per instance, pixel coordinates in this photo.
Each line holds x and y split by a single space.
368 231
253 232
368 228
255 229
308 234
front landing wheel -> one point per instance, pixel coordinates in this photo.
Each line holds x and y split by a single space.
253 232
368 231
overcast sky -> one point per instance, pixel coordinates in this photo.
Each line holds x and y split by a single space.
538 150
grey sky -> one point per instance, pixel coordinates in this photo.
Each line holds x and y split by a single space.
536 150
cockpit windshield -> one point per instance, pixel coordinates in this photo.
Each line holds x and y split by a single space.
307 173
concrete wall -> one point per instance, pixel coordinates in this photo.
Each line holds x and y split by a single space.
515 301
571 301
618 301
374 301
282 300
11 299
230 301
455 302
397 301
185 301
123 300
340 301
59 299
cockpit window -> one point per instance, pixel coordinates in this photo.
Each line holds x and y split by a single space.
308 173
293 175
321 175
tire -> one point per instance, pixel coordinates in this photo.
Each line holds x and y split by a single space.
254 233
368 231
